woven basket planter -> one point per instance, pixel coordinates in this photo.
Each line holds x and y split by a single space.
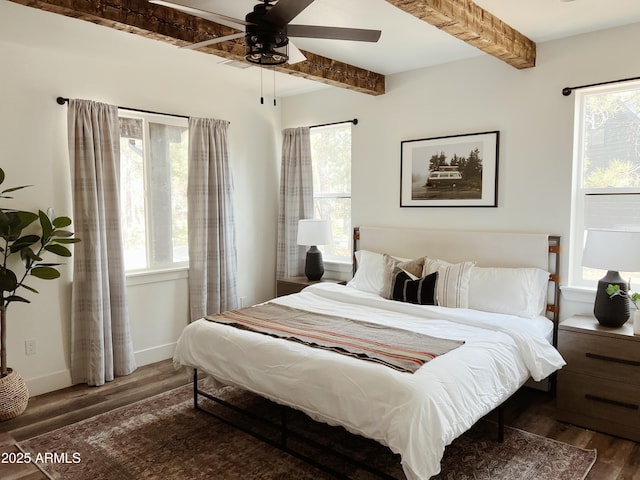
14 395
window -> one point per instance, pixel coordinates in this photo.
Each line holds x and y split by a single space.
606 169
331 160
153 191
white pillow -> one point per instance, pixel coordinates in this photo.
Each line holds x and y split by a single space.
515 291
372 269
453 281
369 275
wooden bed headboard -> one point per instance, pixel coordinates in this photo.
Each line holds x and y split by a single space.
488 249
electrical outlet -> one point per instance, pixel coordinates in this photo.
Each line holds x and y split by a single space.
243 302
30 346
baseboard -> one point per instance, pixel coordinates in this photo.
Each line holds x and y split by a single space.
154 354
48 383
62 379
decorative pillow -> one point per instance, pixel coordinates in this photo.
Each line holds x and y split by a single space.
369 275
408 289
453 281
515 291
413 267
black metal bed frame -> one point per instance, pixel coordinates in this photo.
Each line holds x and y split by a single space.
286 433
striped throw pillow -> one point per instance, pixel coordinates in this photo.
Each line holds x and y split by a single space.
453 281
407 289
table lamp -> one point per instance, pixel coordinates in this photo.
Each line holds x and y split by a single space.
613 251
313 233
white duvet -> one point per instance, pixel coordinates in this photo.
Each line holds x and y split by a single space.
415 415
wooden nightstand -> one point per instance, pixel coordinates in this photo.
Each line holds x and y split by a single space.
599 388
289 285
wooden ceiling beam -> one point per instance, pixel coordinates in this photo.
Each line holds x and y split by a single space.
178 28
472 24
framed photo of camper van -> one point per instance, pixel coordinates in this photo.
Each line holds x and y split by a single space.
450 171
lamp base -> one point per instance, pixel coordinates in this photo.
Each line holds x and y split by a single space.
614 311
313 267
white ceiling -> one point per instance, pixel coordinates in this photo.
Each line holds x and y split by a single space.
408 43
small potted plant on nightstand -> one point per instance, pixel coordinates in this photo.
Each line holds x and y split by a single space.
614 290
28 235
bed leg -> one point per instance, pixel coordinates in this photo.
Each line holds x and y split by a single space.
195 389
501 424
283 431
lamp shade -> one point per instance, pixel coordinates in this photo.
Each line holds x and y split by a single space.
615 250
313 232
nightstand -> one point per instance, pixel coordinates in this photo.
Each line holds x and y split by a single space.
599 388
289 285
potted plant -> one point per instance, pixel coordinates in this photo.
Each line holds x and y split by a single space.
614 290
29 236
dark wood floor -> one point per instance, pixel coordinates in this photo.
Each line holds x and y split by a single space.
528 410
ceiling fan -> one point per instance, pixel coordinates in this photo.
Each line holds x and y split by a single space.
267 30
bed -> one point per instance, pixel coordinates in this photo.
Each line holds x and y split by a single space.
496 288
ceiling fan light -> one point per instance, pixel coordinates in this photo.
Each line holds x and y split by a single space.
265 51
267 59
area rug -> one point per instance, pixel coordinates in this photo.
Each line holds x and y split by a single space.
165 438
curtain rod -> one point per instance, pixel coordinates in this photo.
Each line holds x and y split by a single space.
62 101
354 121
566 91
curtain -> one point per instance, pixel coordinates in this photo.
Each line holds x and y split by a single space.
101 346
211 223
296 200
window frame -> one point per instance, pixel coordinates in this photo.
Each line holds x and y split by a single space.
149 272
579 193
335 259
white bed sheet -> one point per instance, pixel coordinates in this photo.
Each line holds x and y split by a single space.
415 415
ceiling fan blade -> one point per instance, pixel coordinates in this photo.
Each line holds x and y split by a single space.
286 10
334 33
214 17
295 55
214 40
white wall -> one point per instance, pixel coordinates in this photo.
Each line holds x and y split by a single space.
42 56
481 94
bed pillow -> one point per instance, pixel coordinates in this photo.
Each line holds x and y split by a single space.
453 281
371 271
369 275
406 288
514 291
412 267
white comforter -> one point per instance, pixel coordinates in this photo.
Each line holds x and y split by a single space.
415 415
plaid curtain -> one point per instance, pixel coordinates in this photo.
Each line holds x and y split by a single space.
101 346
212 227
296 200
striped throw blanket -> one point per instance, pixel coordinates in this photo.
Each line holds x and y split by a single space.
400 349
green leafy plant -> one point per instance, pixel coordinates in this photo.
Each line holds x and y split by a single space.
614 290
30 236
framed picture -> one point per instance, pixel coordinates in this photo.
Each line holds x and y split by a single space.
451 171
